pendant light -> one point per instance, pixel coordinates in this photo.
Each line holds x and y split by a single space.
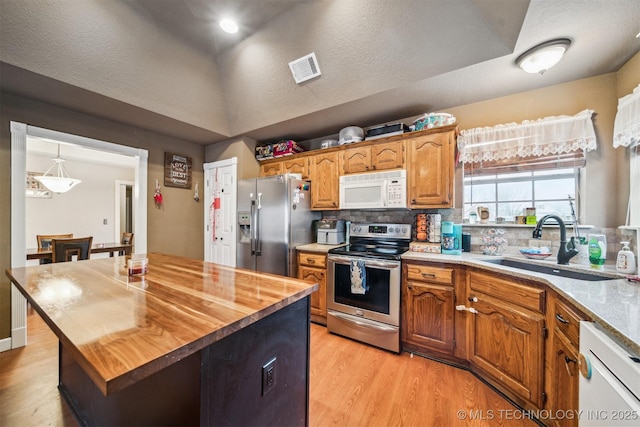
60 183
540 58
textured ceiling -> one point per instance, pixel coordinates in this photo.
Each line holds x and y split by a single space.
381 60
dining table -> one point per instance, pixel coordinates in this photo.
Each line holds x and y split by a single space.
110 248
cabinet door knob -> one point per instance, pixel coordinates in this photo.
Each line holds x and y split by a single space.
473 299
568 360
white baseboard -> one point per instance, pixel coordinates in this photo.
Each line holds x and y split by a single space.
5 344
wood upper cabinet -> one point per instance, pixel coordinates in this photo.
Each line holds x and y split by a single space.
369 158
562 359
324 172
271 168
297 165
389 155
428 300
430 170
356 160
506 334
313 267
292 164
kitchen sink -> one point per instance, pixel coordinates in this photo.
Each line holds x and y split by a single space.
554 271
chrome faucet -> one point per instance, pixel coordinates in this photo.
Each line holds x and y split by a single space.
566 251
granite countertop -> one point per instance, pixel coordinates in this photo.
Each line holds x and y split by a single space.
124 328
613 304
318 247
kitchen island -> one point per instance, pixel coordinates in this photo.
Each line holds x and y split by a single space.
188 343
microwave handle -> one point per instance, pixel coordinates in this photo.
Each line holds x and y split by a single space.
385 193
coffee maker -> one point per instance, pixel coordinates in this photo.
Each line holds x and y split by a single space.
451 238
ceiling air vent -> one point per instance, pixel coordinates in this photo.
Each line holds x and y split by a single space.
305 68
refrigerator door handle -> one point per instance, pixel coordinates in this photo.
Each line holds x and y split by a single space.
252 231
257 226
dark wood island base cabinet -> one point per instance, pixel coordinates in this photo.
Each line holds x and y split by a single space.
220 385
190 343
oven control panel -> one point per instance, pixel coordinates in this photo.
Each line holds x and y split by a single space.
397 231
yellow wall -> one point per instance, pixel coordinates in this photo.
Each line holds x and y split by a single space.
595 93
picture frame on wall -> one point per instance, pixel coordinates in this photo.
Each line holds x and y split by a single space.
177 170
35 188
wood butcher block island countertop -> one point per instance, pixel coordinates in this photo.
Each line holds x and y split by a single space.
121 329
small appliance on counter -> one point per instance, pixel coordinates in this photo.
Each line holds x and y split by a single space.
331 231
386 130
451 238
350 134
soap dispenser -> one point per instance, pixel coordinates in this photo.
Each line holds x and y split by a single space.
626 261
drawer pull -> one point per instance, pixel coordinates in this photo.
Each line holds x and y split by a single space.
311 260
430 275
465 308
561 319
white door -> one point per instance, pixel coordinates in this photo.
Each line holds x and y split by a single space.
220 211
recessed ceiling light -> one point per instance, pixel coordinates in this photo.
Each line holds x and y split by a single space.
229 25
543 56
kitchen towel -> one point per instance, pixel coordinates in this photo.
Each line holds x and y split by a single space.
358 277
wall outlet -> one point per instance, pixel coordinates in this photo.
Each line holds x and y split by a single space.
104 221
268 376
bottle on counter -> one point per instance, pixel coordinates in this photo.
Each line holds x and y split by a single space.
626 260
597 250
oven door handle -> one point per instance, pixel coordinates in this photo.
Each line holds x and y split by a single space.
365 324
367 262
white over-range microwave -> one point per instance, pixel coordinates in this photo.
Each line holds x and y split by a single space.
374 190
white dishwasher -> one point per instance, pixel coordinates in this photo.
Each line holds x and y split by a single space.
609 385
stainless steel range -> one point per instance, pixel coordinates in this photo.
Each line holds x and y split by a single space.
363 284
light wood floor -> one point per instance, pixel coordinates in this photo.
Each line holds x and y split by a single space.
351 384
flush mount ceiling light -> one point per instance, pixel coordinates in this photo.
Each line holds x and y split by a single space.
540 58
229 25
58 183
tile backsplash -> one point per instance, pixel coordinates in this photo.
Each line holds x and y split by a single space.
518 237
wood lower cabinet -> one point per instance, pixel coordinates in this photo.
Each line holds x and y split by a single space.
506 335
562 370
430 168
312 266
428 299
324 172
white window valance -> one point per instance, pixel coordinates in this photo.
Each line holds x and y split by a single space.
532 138
626 128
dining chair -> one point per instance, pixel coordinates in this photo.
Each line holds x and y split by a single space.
127 239
63 250
44 242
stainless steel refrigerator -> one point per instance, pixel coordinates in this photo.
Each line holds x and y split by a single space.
274 216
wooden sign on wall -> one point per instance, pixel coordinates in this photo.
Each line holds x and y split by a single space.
177 170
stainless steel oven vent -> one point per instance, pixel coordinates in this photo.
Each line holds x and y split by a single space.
305 68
